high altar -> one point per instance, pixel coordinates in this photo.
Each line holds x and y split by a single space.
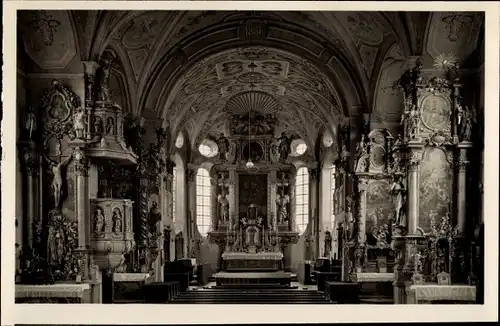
253 222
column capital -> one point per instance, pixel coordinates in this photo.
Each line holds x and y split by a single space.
90 67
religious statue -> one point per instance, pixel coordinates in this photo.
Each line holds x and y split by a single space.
361 164
274 153
223 144
383 236
328 244
97 125
231 153
98 220
154 217
460 114
117 220
411 117
79 123
282 200
57 182
110 126
284 146
30 123
395 163
398 190
102 79
56 240
349 218
467 123
224 206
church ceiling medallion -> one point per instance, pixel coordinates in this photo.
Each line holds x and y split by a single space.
453 32
48 37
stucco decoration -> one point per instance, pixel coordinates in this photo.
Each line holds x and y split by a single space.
388 100
235 80
453 32
48 37
368 31
139 36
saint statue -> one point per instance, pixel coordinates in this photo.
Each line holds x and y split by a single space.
102 79
56 240
398 190
79 123
274 153
223 144
282 200
97 125
98 220
284 146
117 220
154 217
361 150
110 126
231 153
57 182
224 206
350 223
467 123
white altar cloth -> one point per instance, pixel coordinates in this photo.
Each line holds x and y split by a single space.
51 290
434 292
130 277
252 256
373 277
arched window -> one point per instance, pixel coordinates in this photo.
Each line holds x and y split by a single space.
203 201
174 193
302 199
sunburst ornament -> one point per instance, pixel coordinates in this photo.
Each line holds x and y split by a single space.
445 61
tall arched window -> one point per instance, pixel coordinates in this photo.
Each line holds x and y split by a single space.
302 199
203 201
174 193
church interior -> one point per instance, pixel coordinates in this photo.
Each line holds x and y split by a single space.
315 157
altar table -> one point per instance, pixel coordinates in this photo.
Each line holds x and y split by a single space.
260 261
426 293
53 293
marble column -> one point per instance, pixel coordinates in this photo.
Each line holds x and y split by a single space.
32 220
461 187
232 193
82 209
143 229
272 209
413 191
361 225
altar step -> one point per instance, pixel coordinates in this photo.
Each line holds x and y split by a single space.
250 296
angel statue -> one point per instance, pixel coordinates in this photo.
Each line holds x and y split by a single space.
398 190
282 200
57 182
